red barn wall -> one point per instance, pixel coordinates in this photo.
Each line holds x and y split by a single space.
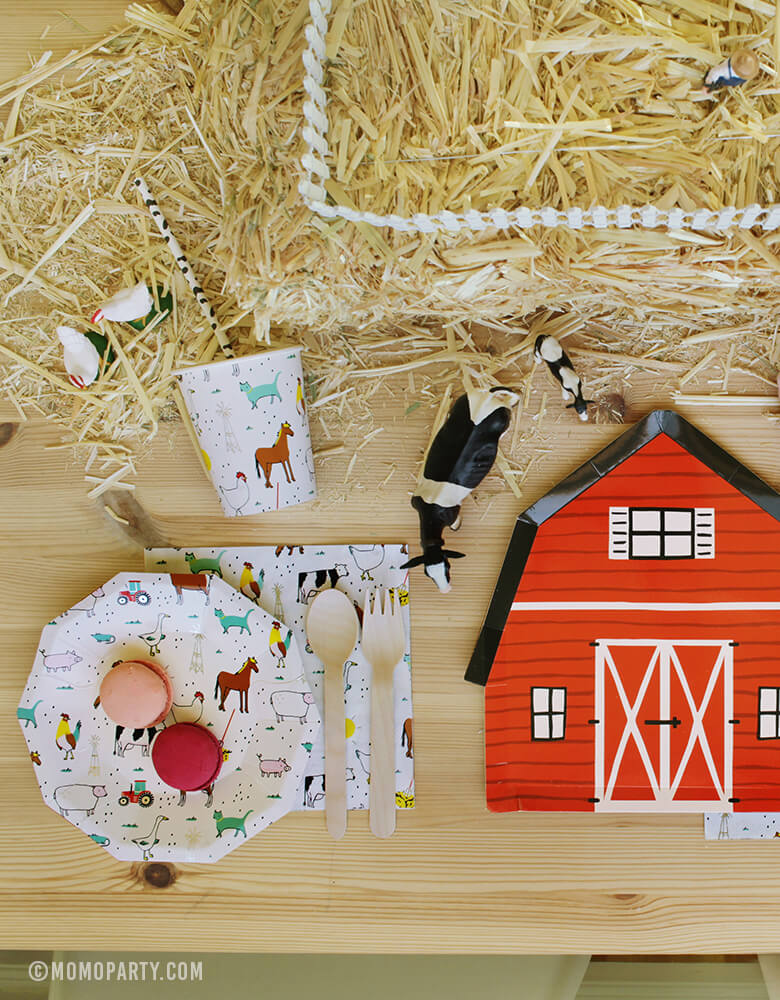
570 561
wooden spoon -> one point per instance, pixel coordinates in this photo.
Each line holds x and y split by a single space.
332 631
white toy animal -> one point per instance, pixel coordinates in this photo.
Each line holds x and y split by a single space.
81 357
128 304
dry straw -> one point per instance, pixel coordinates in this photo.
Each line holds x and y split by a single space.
207 105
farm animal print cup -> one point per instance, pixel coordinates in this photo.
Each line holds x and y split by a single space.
249 417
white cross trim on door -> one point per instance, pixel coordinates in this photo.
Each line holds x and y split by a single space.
631 727
664 785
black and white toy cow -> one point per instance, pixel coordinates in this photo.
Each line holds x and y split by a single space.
558 361
459 458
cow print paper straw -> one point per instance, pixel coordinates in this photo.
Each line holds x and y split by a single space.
184 265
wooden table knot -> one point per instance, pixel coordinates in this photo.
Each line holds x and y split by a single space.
158 875
7 431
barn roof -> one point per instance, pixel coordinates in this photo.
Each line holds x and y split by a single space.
657 422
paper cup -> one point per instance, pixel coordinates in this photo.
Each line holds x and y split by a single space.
249 419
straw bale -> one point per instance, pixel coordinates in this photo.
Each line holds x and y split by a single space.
207 105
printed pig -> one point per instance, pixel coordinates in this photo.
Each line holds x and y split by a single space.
60 661
275 767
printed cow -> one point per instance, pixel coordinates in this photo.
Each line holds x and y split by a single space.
459 458
314 787
311 582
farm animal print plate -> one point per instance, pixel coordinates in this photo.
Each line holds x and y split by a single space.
284 579
249 417
233 669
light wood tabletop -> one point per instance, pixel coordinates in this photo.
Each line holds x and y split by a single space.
454 877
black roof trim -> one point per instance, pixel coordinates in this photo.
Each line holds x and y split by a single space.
655 423
501 603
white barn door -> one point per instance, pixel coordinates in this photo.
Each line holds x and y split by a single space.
663 737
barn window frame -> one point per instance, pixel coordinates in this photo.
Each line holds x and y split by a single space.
628 526
549 711
771 713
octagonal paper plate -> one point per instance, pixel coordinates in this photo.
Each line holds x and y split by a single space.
214 642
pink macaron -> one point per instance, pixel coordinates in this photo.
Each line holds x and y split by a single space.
187 756
136 694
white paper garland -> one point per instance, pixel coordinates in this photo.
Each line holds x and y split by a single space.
314 161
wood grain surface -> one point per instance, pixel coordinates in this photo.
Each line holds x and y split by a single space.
453 878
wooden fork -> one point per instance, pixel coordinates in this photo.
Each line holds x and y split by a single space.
383 644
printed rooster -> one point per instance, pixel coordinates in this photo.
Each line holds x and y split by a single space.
248 585
237 496
69 739
276 644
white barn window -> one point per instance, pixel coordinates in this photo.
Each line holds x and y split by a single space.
768 713
661 533
548 713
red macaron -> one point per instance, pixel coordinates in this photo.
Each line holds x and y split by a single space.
187 756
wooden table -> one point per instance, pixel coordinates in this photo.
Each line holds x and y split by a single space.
454 878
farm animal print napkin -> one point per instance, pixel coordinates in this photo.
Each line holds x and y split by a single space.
282 580
741 826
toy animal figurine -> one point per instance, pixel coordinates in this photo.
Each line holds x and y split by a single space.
126 304
558 361
82 354
741 67
459 458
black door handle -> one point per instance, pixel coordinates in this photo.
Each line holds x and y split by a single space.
674 722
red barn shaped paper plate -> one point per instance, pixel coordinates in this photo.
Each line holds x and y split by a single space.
630 652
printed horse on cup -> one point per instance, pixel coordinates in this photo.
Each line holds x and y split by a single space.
266 458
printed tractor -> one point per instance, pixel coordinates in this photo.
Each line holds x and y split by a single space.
137 793
134 595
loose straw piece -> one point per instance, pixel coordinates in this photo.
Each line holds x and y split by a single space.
163 24
45 69
714 399
184 265
113 514
777 38
700 366
64 236
143 398
509 474
115 479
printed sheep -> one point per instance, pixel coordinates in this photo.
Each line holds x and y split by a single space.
291 705
78 798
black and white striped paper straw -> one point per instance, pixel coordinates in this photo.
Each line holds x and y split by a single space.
184 265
